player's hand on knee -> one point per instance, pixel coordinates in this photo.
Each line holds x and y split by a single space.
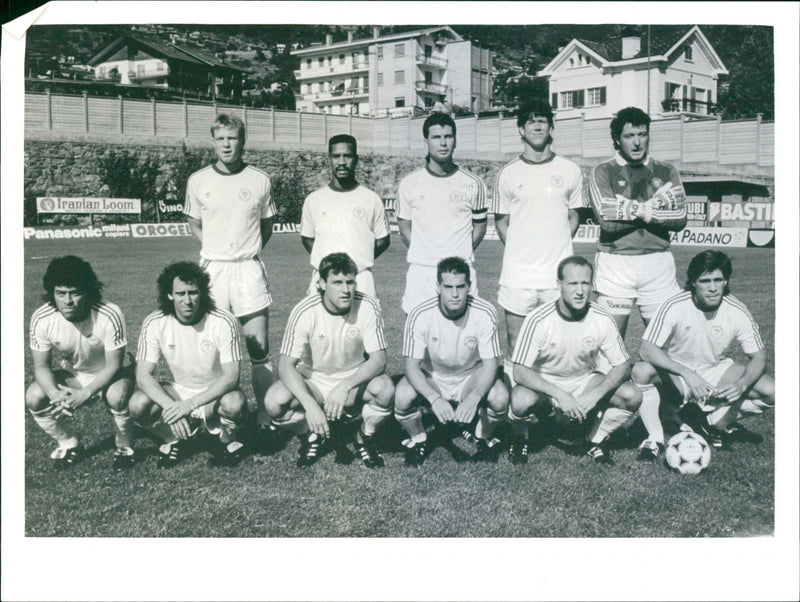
317 422
699 387
181 429
177 410
465 411
732 391
570 407
443 410
335 402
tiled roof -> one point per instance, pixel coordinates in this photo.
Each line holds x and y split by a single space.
662 38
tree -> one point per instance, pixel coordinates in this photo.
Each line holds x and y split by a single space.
126 176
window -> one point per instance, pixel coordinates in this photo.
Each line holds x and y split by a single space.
140 70
308 63
428 78
380 79
330 61
428 102
687 53
399 102
596 96
572 99
341 59
428 51
399 51
380 53
321 61
399 77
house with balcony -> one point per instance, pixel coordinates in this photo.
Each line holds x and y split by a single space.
397 74
147 61
673 72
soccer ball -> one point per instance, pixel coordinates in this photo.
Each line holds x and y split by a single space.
688 453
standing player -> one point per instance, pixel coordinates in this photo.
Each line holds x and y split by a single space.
441 212
200 345
555 365
332 365
230 211
345 217
638 201
683 348
452 351
534 204
90 335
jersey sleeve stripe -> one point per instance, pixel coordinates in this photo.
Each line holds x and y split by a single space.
653 331
115 317
291 325
495 202
413 317
488 309
233 326
378 317
481 194
528 328
141 350
738 305
40 314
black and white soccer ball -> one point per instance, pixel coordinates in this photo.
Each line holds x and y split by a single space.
688 453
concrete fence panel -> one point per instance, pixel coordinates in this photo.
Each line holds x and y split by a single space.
68 113
103 115
596 139
767 144
699 141
665 139
170 119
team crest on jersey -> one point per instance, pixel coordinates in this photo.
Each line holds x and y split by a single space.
245 194
456 197
716 332
657 182
589 344
621 183
471 342
359 213
206 346
557 181
352 333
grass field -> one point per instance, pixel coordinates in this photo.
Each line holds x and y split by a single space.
555 495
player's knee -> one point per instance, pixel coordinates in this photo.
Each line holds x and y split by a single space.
627 397
277 400
36 399
498 398
405 397
257 347
765 389
522 400
233 405
643 373
381 391
118 394
141 408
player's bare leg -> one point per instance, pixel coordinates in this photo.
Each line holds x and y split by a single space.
255 328
490 416
520 415
646 378
378 398
759 396
513 326
59 427
117 397
408 414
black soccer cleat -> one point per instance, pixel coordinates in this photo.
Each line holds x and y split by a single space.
599 454
69 458
489 450
650 451
695 419
170 458
736 432
415 454
310 448
124 458
230 455
518 451
368 453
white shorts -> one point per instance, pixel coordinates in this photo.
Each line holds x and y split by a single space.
451 388
206 414
239 286
648 279
712 375
365 283
324 383
522 301
84 378
421 285
573 385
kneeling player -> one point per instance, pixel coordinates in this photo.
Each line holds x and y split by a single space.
684 346
90 335
555 365
452 351
201 346
331 366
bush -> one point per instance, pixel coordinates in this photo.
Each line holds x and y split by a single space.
125 176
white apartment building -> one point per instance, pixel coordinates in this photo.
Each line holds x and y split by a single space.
396 74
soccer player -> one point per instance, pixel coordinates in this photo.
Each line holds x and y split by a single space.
534 204
638 201
555 364
90 335
684 347
344 217
441 212
332 366
452 350
230 210
201 346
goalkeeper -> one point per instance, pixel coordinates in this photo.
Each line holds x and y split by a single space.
638 201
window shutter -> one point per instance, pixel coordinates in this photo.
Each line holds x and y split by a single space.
577 98
603 95
554 100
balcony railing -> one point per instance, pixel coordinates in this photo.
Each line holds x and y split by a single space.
430 87
433 61
109 77
335 69
684 105
334 94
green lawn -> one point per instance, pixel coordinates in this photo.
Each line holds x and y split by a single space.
555 495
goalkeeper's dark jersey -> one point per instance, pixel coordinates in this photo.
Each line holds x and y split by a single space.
616 178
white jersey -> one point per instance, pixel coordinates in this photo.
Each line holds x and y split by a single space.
557 346
330 343
194 353
537 198
451 347
442 210
344 222
698 339
83 344
231 207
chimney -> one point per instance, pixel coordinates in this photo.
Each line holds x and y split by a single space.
376 31
349 36
631 43
328 39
